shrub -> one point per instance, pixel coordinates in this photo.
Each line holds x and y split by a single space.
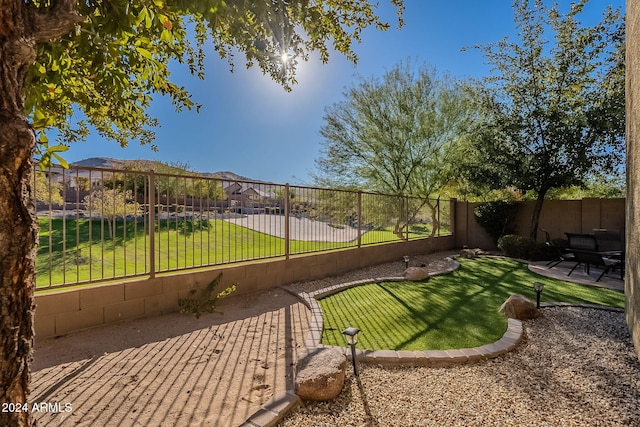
497 218
516 246
542 252
206 302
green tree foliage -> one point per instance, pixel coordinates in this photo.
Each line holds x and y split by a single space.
111 204
395 134
497 218
73 65
554 104
596 187
115 62
46 190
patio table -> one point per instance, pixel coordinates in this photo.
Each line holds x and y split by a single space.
585 250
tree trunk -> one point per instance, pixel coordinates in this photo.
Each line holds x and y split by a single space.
435 223
18 226
18 237
402 221
22 25
535 217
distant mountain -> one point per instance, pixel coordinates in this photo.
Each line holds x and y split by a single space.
227 176
110 163
100 162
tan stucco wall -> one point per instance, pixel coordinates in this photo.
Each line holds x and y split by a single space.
632 279
62 312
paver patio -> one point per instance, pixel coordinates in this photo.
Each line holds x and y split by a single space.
177 370
173 369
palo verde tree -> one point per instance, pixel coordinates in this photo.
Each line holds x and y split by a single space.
111 204
395 135
553 105
106 60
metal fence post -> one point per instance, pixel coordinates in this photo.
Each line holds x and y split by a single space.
359 219
151 211
452 216
407 212
287 199
438 214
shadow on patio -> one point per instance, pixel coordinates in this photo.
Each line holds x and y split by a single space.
173 369
610 280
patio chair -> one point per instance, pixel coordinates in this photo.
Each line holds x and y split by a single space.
589 258
582 242
608 240
561 254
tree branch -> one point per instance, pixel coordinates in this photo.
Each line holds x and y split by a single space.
56 21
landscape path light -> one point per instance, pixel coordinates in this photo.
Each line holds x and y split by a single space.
351 335
538 286
406 261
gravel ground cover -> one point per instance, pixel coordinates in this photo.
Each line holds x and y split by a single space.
575 367
437 261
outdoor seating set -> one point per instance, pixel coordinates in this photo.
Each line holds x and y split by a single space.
602 248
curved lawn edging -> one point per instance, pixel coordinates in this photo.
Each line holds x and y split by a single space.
276 409
508 342
571 304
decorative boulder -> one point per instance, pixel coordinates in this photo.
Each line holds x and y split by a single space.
416 273
519 307
320 374
472 253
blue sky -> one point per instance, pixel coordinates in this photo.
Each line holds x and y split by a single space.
249 125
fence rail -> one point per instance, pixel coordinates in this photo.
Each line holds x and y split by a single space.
105 224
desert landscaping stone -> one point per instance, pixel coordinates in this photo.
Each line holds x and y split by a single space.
577 367
519 307
416 273
320 374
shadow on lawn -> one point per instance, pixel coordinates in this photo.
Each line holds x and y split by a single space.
455 310
58 235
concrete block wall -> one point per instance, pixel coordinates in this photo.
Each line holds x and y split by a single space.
557 217
62 312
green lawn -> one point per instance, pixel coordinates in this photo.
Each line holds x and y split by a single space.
457 310
73 251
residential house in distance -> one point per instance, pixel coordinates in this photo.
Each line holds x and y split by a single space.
252 198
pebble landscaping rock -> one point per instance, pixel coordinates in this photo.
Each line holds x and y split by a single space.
576 367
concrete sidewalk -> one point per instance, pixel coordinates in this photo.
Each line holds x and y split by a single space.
300 228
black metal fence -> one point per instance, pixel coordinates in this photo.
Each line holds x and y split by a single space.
104 224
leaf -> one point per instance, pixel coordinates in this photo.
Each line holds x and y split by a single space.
58 149
41 121
141 17
148 21
166 36
62 161
144 52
